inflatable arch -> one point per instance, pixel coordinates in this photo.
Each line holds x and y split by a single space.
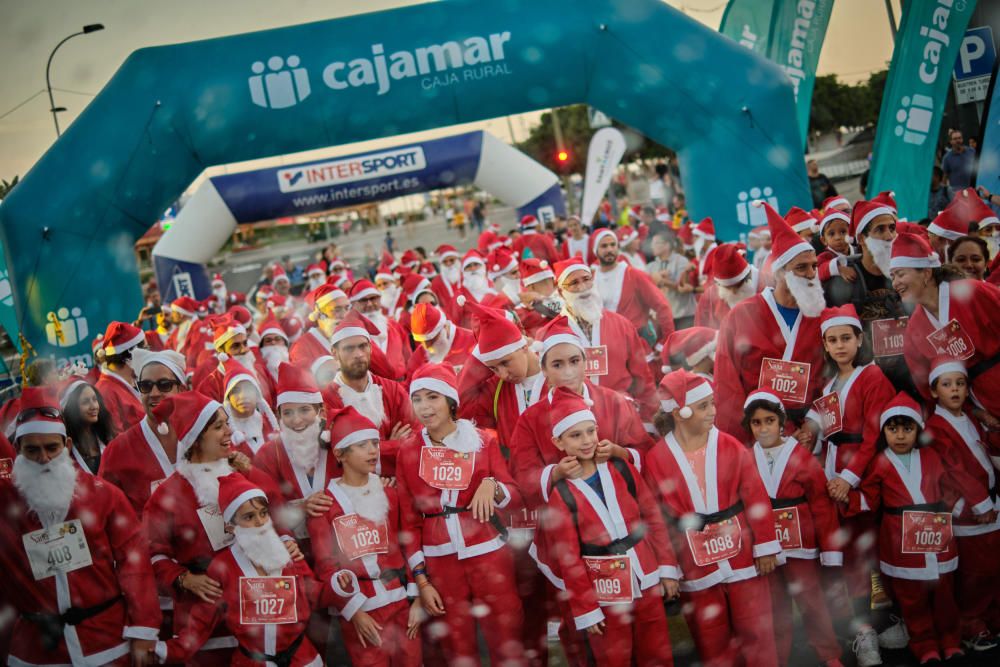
171 111
210 217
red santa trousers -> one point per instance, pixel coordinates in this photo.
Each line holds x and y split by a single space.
860 537
482 587
396 649
799 579
731 624
634 634
978 584
929 610
539 604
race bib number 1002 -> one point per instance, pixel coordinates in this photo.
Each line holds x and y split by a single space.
789 380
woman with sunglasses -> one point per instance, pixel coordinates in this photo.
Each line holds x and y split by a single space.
88 423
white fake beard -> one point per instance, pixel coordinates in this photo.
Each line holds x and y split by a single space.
204 478
587 305
315 283
302 446
368 402
247 360
477 283
370 501
251 427
273 356
808 294
699 245
388 297
47 488
263 546
733 295
452 274
509 287
381 323
881 254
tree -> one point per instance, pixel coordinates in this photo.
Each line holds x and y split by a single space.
7 186
836 104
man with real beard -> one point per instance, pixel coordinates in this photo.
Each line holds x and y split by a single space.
75 563
616 355
772 339
446 284
391 337
733 281
231 342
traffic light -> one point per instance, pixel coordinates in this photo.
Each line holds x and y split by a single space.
562 160
562 156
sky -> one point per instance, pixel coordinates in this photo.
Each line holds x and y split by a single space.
858 42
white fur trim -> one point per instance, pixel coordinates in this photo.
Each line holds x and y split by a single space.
69 390
871 215
349 332
230 509
571 420
703 390
930 262
552 341
498 353
230 333
808 223
790 254
184 443
242 377
571 268
468 261
760 395
831 216
540 276
838 201
838 321
41 427
311 397
989 220
705 351
364 294
901 411
947 367
938 230
111 350
729 282
319 361
330 296
831 558
356 437
433 384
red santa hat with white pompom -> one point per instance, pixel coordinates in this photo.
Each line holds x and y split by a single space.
680 389
568 409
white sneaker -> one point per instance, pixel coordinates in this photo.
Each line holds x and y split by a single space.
895 636
981 642
866 648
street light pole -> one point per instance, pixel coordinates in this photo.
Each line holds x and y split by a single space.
87 29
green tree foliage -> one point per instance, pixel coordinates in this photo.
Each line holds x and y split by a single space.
836 104
6 186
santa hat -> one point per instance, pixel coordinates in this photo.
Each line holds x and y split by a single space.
487 242
626 234
473 256
439 378
234 490
97 343
120 337
886 198
949 223
410 259
323 296
635 211
705 229
337 263
354 324
679 389
426 322
278 273
501 262
235 372
186 306
686 236
497 336
363 289
596 238
698 345
414 285
662 214
186 414
529 222
263 292
980 212
234 298
505 241
786 244
567 409
444 251
169 359
729 267
866 211
902 406
217 280
427 270
385 272
910 251
242 315
838 316
944 364
558 331
314 269
833 216
38 412
534 270
271 327
346 425
830 203
296 385
567 266
800 220
763 395
224 329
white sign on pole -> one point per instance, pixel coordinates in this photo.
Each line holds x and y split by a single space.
607 147
598 119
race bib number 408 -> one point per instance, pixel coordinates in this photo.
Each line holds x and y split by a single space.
60 548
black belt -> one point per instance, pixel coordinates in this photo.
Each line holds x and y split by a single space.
617 547
844 438
975 370
281 658
699 521
449 510
785 503
921 507
385 576
51 625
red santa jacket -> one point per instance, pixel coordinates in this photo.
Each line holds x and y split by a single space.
974 305
396 408
531 320
626 522
446 293
863 396
121 399
434 533
377 578
462 343
581 248
540 245
797 488
397 349
209 378
229 567
755 330
923 486
734 490
495 404
628 360
309 349
712 308
633 295
7 456
961 444
120 577
533 456
136 463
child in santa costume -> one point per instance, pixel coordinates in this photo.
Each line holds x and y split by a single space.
265 597
918 557
718 515
452 479
604 544
183 519
250 417
439 341
356 544
805 521
960 440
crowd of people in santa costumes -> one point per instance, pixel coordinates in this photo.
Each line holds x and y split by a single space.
455 454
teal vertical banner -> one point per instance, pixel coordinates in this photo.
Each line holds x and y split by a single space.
749 23
8 314
927 44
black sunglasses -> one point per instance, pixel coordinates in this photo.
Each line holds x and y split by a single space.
165 386
44 411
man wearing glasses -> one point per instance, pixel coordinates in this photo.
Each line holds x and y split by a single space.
117 375
313 350
142 457
231 341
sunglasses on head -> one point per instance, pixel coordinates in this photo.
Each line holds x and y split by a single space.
44 411
165 386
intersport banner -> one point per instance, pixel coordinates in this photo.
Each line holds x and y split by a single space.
789 33
927 44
